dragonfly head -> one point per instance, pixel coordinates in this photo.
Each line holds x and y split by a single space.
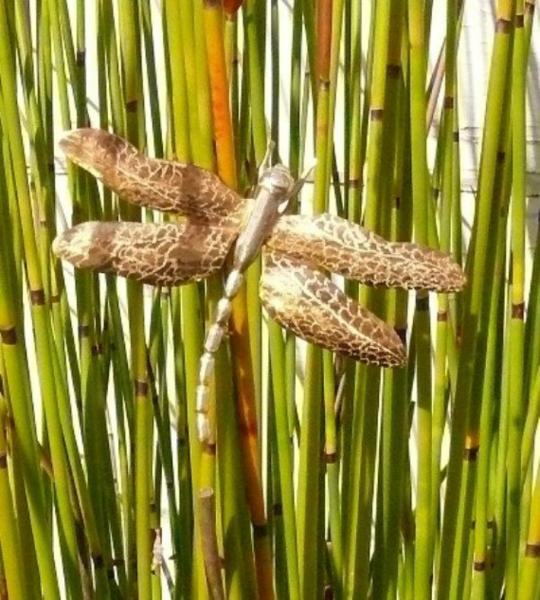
279 182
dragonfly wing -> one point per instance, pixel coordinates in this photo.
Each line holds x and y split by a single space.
163 254
160 184
350 250
301 298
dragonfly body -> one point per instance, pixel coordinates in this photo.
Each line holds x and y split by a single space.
271 199
298 250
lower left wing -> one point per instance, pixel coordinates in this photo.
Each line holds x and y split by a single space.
164 254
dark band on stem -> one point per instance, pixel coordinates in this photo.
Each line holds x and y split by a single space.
260 531
448 102
98 561
330 457
532 550
422 302
442 316
520 20
141 387
376 114
81 58
470 454
37 297
209 448
503 26
393 71
324 84
479 565
131 106
8 336
84 330
501 156
518 311
97 349
3 460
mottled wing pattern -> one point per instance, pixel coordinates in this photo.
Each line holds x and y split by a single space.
164 185
350 250
166 254
302 299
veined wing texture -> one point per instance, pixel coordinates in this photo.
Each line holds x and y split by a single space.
302 299
350 250
159 254
163 185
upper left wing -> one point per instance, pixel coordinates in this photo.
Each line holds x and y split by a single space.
161 184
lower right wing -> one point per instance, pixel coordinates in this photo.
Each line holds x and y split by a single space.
302 299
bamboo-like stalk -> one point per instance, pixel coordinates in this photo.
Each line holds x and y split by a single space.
424 522
367 379
529 564
516 325
254 23
131 69
450 164
481 549
310 492
10 542
394 395
353 200
451 540
187 297
329 386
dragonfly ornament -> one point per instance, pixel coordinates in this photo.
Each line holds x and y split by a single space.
297 250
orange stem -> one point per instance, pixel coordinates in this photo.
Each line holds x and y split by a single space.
243 374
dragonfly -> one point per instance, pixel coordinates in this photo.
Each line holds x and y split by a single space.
219 227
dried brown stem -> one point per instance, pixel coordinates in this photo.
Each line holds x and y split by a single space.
212 560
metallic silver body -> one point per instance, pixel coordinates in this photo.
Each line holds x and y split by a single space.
270 201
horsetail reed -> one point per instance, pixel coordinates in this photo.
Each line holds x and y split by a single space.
172 435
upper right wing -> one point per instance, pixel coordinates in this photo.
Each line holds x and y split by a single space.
350 250
164 185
